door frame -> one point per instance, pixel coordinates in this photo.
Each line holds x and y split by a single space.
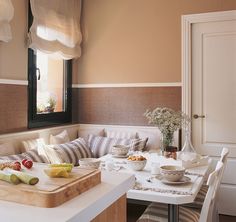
186 29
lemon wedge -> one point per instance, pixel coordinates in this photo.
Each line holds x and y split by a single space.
57 172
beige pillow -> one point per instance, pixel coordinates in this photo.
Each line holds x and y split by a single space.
121 134
60 138
8 149
32 144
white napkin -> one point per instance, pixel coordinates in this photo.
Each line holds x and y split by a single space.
190 159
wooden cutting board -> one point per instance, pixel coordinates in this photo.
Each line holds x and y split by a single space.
50 192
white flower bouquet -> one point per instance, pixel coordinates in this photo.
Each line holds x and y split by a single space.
168 121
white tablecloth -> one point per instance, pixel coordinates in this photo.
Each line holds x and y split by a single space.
150 188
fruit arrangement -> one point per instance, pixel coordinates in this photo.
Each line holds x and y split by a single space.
10 172
59 170
27 163
136 158
13 165
17 165
23 177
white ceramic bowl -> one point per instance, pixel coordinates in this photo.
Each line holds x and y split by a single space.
136 165
92 163
119 150
172 173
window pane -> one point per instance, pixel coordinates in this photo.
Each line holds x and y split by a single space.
50 84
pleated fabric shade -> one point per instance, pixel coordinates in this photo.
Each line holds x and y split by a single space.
56 27
6 15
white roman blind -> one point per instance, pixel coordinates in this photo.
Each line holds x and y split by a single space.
56 27
6 15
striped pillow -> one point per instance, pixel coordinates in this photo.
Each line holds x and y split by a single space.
69 152
120 134
101 146
31 154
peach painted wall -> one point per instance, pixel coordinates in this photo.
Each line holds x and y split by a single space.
13 55
135 41
123 40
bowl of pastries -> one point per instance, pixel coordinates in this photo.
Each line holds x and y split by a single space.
136 163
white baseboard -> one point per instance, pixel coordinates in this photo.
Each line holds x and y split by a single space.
123 85
14 82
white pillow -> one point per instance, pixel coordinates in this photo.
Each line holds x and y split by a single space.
60 138
7 149
31 144
121 134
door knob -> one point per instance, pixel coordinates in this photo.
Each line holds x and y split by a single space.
196 116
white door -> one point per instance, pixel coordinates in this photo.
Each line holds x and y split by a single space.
214 86
213 94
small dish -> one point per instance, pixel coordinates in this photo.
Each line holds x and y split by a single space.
120 156
90 163
183 180
172 173
119 150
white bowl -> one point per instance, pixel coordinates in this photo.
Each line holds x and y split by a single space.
119 150
172 173
136 165
92 163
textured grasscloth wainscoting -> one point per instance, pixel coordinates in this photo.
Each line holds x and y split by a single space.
121 105
13 108
108 105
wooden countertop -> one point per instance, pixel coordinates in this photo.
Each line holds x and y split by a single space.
82 208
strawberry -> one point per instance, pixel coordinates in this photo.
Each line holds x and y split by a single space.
18 163
16 166
23 161
28 164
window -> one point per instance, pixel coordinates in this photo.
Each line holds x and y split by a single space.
49 89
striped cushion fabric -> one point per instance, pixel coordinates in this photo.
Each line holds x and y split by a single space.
120 134
101 146
31 154
31 144
68 152
158 212
198 202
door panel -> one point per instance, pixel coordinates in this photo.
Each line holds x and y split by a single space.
214 86
209 89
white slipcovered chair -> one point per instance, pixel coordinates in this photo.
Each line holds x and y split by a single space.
198 202
157 212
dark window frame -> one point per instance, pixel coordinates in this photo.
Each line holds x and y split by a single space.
47 119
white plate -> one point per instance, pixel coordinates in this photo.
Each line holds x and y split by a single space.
120 156
184 180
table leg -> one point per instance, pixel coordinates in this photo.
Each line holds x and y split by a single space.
173 213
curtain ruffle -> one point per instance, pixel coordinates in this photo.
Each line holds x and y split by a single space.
56 27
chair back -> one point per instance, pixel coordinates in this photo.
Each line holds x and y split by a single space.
223 159
213 183
224 154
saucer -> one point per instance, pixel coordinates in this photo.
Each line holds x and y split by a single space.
184 180
120 156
